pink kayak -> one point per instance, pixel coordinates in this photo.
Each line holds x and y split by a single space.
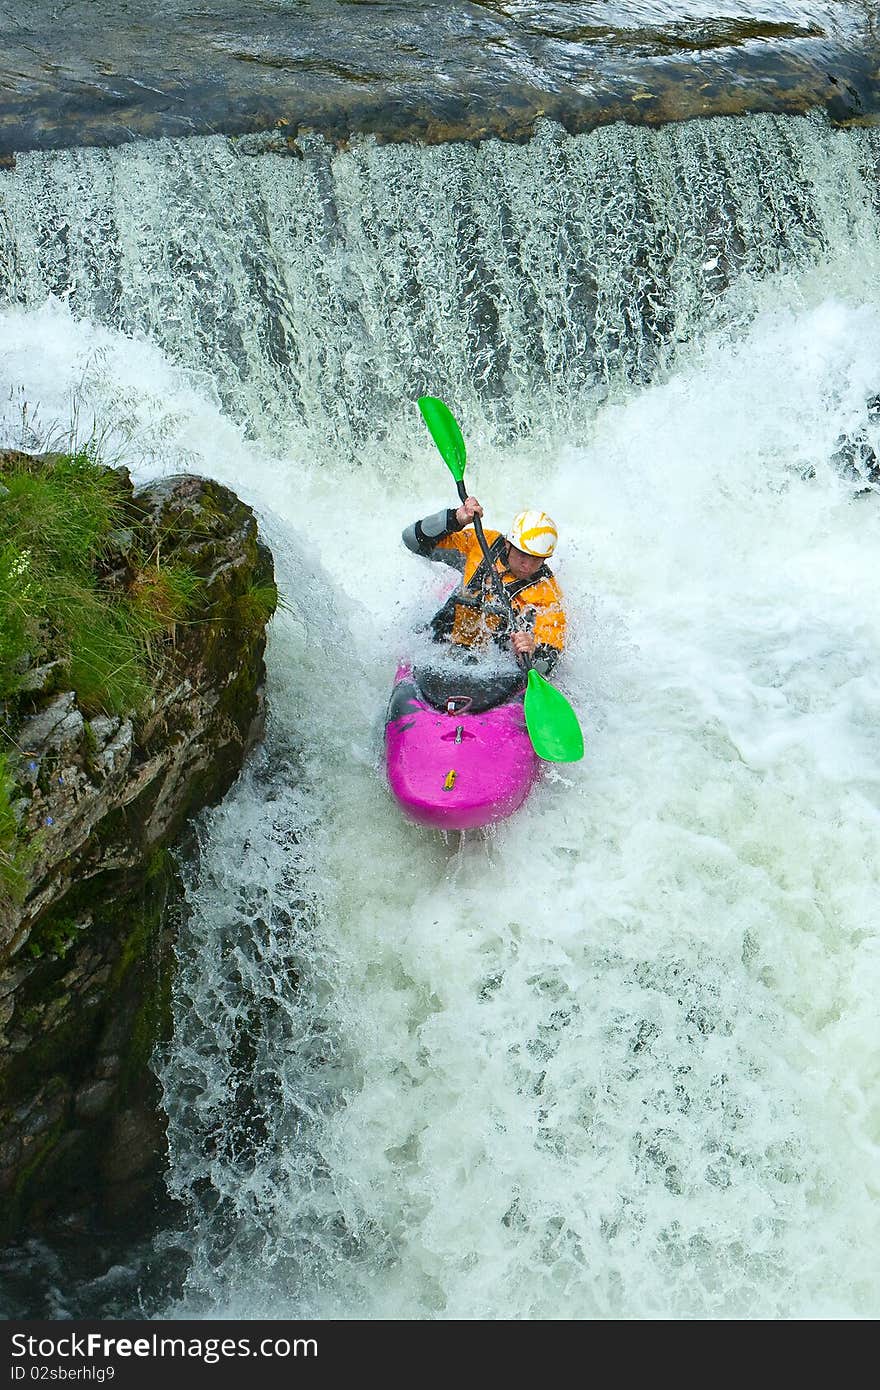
452 764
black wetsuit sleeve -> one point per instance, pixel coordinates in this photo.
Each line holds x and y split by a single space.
422 536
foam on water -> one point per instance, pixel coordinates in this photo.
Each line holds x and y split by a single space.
617 1058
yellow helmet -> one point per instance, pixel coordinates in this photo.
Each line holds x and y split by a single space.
533 532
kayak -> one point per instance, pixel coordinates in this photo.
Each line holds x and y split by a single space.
457 756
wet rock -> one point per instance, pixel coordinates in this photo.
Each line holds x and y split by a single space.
135 1140
41 679
86 951
481 70
93 1099
54 728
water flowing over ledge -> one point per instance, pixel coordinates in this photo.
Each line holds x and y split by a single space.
316 294
616 1060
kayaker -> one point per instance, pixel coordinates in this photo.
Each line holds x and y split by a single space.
473 615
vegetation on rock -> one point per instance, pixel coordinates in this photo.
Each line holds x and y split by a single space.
132 633
63 518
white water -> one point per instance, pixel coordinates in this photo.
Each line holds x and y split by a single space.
617 1059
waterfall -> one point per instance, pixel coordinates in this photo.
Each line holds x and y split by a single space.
615 1058
317 293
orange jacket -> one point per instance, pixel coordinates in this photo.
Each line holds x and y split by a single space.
474 615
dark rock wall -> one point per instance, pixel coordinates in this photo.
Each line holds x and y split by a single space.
86 957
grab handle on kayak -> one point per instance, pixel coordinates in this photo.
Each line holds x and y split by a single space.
457 735
458 704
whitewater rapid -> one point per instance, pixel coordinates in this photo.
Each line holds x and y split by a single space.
616 1058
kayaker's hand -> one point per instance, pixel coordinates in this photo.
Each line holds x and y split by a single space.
467 511
523 643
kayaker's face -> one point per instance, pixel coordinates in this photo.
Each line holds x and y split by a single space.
521 565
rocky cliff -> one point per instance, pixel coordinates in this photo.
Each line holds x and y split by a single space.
95 797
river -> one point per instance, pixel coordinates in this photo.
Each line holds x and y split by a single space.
617 1058
101 72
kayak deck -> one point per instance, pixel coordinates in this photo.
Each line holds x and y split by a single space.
453 768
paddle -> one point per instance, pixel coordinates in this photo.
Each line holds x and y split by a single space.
552 723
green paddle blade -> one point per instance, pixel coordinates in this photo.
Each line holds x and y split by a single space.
445 434
552 723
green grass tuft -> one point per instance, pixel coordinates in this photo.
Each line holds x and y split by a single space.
57 519
255 607
12 868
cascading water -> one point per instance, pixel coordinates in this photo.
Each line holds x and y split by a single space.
617 1058
316 295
